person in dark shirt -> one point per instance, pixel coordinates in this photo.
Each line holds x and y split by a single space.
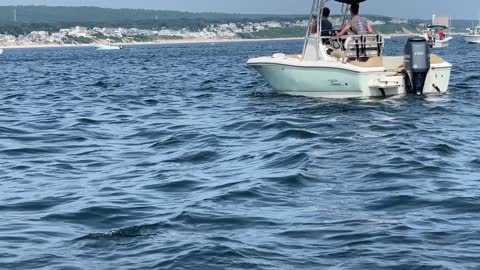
326 24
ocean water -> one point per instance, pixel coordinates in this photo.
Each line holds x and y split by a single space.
180 157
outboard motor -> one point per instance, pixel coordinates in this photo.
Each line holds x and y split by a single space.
417 64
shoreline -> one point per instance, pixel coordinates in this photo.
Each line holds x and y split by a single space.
163 42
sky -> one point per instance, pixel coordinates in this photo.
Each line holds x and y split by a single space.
418 9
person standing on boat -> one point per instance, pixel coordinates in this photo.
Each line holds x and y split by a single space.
359 25
314 25
431 39
441 35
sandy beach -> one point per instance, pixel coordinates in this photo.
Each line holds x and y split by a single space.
158 42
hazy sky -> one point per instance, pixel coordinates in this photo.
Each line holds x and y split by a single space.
458 9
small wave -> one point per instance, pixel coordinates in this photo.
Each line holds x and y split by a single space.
475 161
88 121
279 125
15 131
289 161
148 134
470 78
173 186
38 205
30 151
244 125
299 134
383 174
338 140
238 195
442 149
223 222
130 232
303 234
298 180
20 168
196 157
99 216
100 84
399 202
212 255
151 102
169 142
461 205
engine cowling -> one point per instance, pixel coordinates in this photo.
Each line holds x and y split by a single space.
417 64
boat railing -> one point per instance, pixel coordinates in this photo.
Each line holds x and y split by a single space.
360 47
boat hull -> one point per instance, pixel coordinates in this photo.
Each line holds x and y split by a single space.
314 81
442 43
341 80
108 48
472 39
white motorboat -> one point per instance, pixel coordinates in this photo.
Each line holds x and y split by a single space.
353 66
473 35
1 51
438 36
109 47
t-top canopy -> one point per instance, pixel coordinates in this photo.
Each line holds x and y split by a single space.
437 26
350 1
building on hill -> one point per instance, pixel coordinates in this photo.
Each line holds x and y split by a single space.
56 37
249 28
39 36
272 24
78 32
399 21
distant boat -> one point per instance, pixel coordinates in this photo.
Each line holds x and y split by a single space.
1 51
438 34
473 35
433 35
109 47
387 36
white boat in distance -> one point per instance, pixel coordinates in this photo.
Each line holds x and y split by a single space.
1 51
109 46
434 33
473 35
353 66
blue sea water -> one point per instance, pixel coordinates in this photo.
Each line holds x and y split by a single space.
180 157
